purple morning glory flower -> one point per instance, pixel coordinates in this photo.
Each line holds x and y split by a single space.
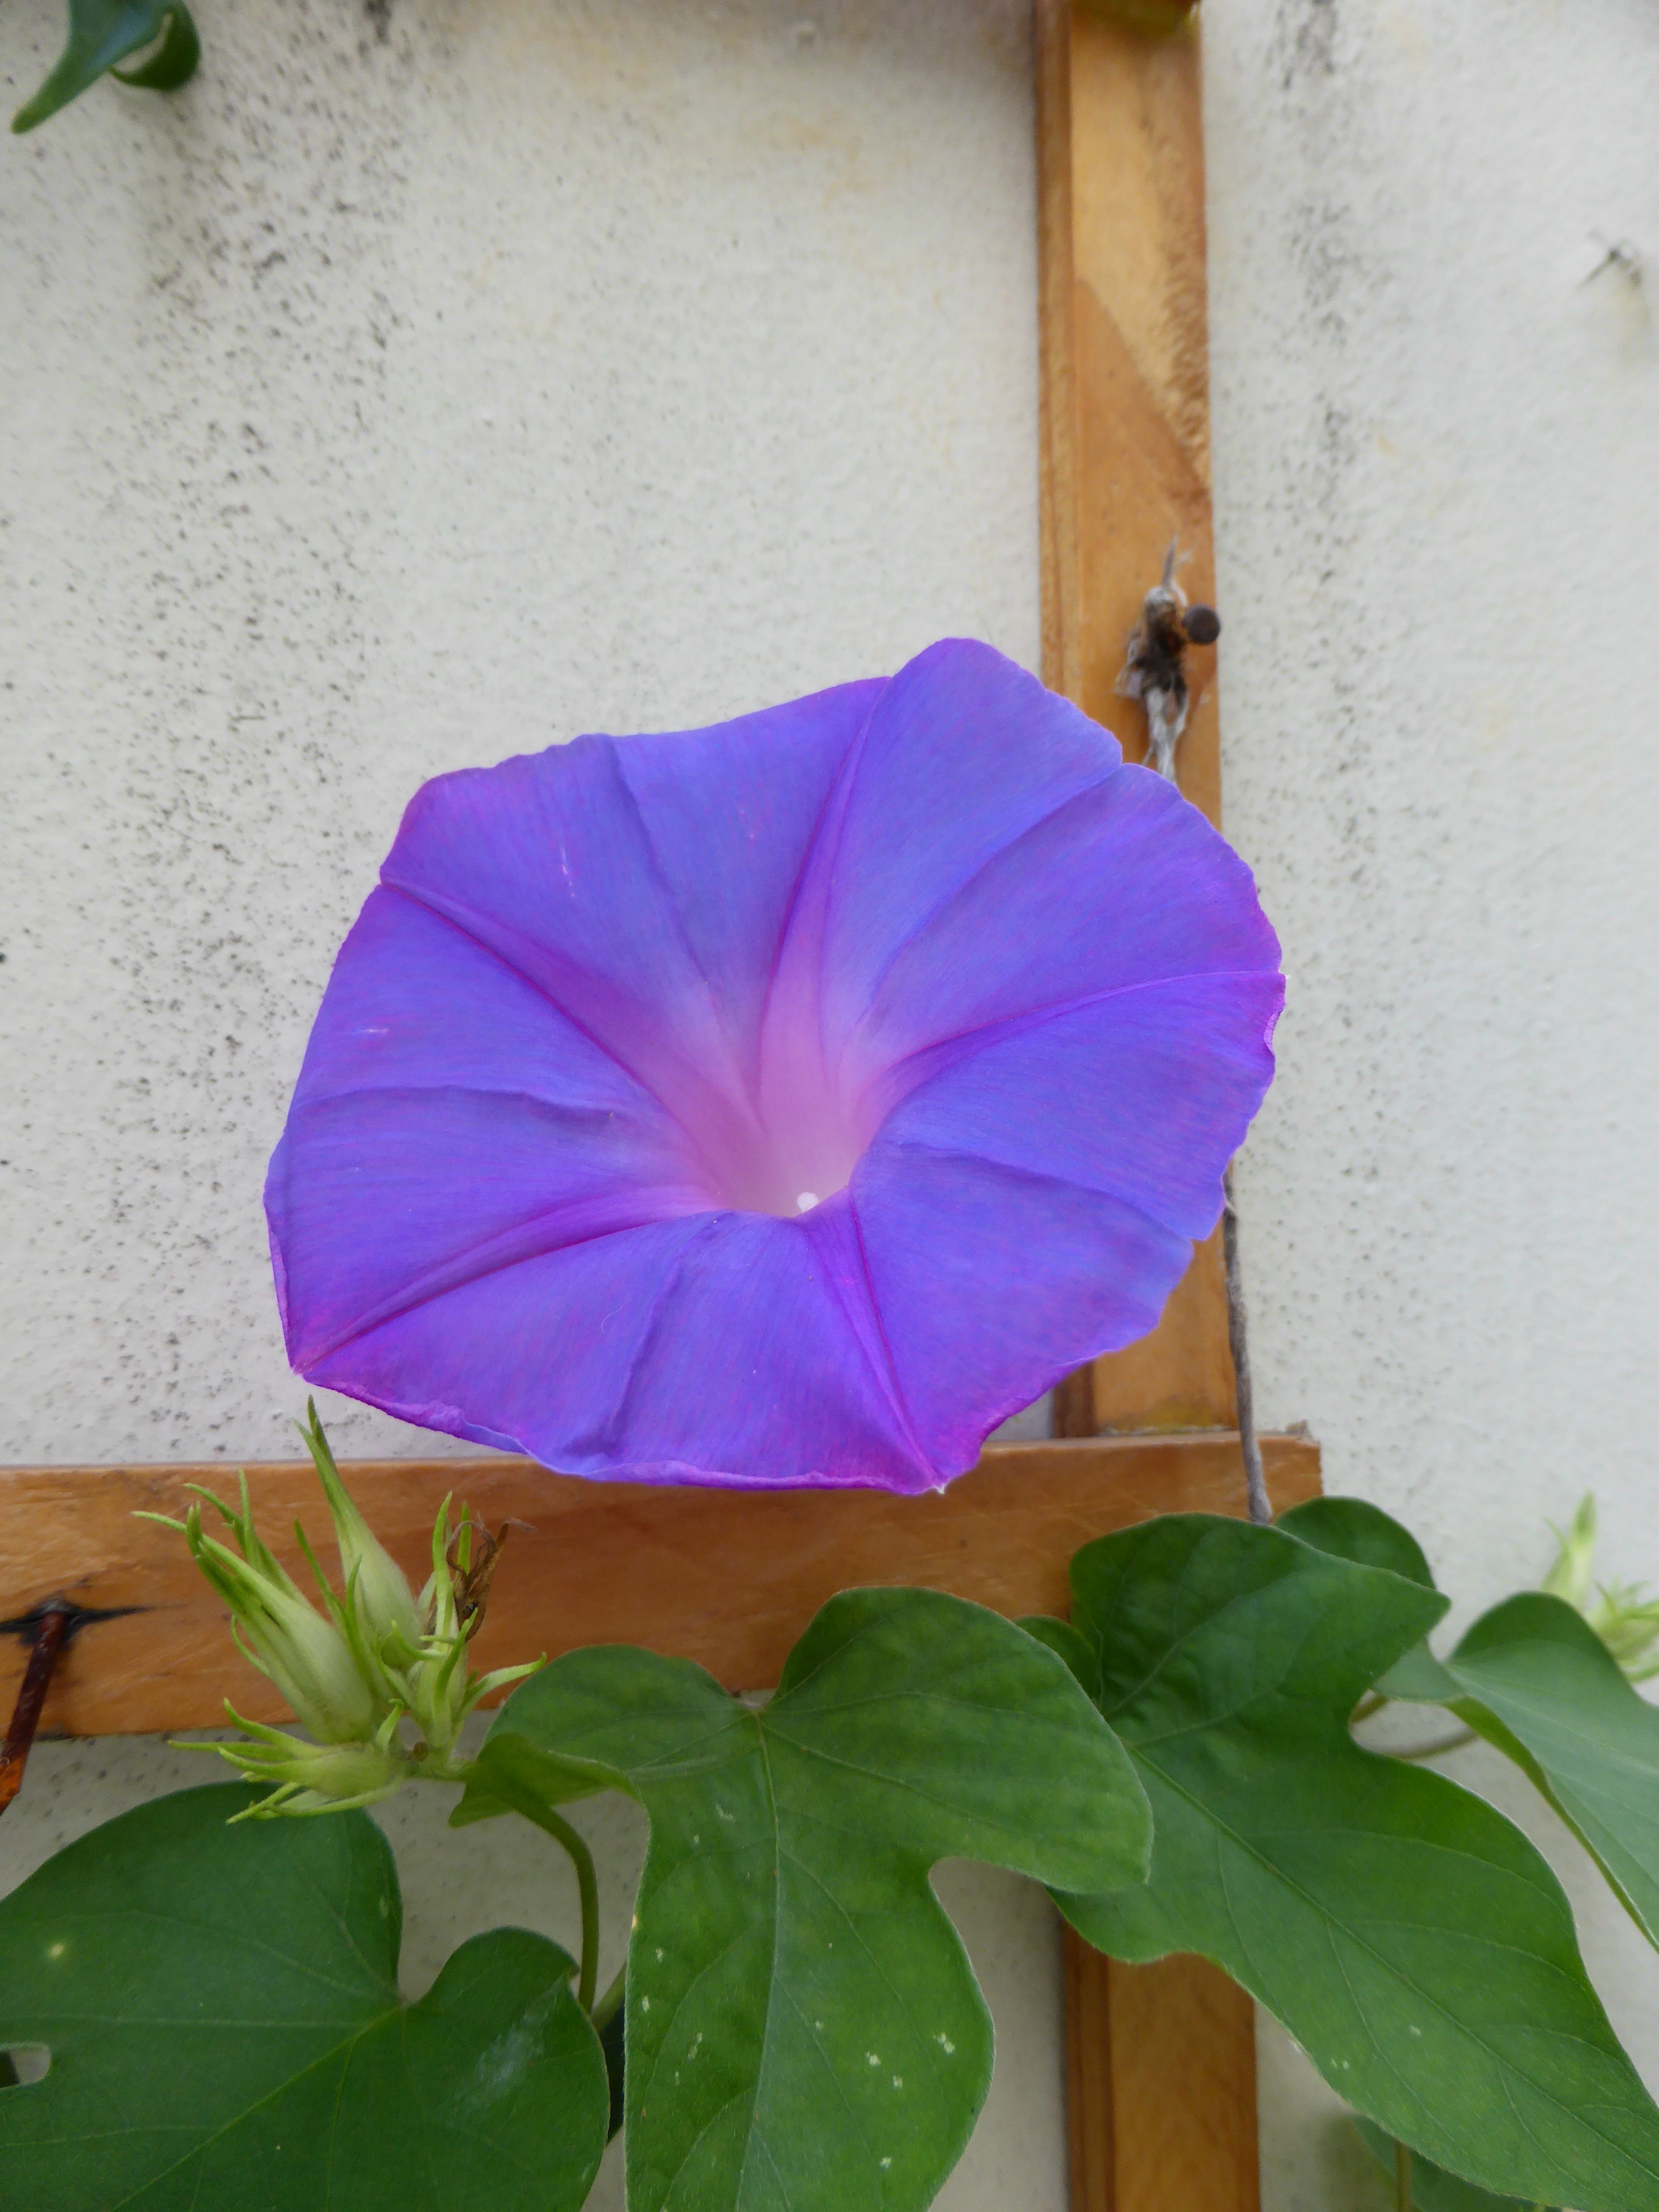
782 1102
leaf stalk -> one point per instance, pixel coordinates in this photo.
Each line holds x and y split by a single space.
587 1884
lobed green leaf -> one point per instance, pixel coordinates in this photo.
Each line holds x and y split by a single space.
803 2027
1535 1678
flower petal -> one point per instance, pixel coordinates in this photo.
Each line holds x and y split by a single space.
1143 1094
991 1283
1124 885
656 930
718 1349
416 1002
730 813
1034 1201
448 1118
963 754
382 1199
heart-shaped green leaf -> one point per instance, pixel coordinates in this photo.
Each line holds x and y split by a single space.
803 2027
1535 1679
221 2010
1351 1529
1413 1940
102 32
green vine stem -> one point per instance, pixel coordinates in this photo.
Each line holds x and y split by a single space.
610 2003
582 1858
1373 1702
1455 1742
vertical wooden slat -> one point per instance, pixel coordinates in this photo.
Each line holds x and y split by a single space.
1057 406
1161 2058
1125 460
1090 2103
1182 2037
1148 2048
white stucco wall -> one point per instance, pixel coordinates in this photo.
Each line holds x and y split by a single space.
1437 435
384 403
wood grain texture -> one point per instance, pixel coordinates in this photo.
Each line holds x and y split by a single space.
1160 2085
729 1577
1161 2059
1090 2103
1125 460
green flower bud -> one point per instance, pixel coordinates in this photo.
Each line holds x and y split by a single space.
371 1659
302 1651
442 1689
377 1589
291 1642
1569 1576
312 1777
1624 1616
1627 1621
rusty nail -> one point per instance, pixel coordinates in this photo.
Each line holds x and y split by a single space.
53 1624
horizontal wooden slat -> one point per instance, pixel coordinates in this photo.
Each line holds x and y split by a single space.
729 1577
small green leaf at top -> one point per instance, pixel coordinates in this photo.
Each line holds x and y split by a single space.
103 33
803 2026
1353 1529
221 2008
1434 2190
1350 1529
1410 1938
1534 1678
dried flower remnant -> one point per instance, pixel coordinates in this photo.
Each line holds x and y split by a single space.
782 1102
1154 669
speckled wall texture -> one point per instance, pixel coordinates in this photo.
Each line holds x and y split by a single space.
422 385
428 382
1436 433
435 380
